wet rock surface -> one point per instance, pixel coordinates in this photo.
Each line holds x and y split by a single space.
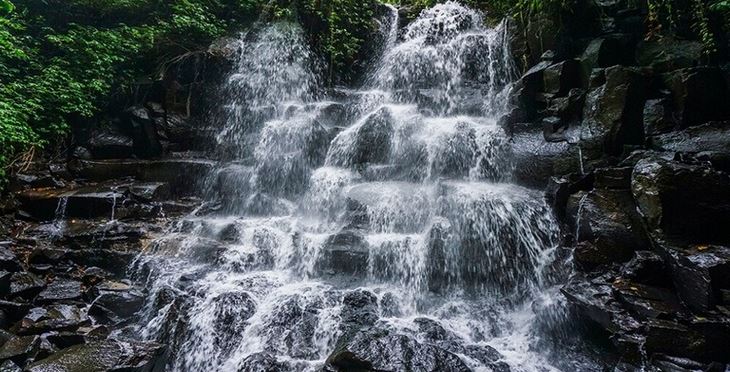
65 257
645 215
377 349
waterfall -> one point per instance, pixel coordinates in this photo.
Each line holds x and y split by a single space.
400 189
59 220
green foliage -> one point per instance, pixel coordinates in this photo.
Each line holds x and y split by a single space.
342 26
705 19
65 59
6 7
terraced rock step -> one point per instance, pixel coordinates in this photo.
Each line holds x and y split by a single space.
179 174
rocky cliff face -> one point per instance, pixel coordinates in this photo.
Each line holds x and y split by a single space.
631 140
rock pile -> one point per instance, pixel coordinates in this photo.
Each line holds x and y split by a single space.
633 151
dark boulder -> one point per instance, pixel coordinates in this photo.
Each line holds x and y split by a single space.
668 54
648 268
62 340
524 94
332 114
5 279
608 51
541 35
60 290
143 129
8 260
111 260
559 190
110 355
379 350
110 144
83 234
699 273
33 179
181 131
372 139
53 318
613 115
606 223
658 117
81 152
709 141
613 178
26 285
699 95
536 160
704 339
594 299
561 77
178 173
568 108
684 200
83 202
20 349
115 300
261 362
359 309
150 191
231 311
345 253
12 311
647 302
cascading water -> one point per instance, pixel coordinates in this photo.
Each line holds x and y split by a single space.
398 192
59 220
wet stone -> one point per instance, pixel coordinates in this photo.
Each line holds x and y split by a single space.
8 260
595 300
360 309
617 178
345 253
647 267
53 318
93 275
153 191
110 260
116 298
26 285
11 310
110 144
378 349
261 362
698 272
62 340
20 349
105 356
647 301
60 290
9 366
231 312
608 227
93 332
5 278
680 199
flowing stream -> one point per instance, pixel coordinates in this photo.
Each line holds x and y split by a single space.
399 190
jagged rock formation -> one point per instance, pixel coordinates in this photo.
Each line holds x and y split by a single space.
637 173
